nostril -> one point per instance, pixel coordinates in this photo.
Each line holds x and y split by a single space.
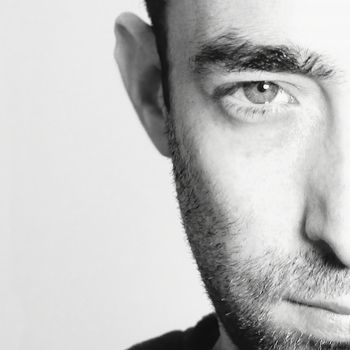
323 247
334 262
328 256
331 252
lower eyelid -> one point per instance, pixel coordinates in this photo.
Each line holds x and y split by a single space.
254 114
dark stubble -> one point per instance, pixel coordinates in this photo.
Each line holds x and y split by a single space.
241 290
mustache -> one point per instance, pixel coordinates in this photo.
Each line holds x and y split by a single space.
317 274
311 274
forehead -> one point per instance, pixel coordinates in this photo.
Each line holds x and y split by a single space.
318 25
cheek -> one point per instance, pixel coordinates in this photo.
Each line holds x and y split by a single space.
268 199
257 177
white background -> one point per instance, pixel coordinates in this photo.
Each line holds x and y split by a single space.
92 252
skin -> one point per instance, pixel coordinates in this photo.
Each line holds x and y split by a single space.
264 199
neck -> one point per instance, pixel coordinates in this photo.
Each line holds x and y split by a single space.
224 342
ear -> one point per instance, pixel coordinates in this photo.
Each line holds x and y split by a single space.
139 64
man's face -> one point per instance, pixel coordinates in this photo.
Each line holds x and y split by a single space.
260 135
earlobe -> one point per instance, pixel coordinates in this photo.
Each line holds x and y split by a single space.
139 65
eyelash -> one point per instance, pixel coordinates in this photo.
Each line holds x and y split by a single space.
249 113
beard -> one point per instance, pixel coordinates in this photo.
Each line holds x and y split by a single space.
244 290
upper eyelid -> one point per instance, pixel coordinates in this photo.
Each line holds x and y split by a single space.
280 78
224 90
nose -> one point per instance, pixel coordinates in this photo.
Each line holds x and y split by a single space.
327 223
327 219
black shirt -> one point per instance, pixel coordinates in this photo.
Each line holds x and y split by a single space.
202 337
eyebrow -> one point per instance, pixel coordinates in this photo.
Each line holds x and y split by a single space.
231 53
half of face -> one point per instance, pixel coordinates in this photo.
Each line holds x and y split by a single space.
259 136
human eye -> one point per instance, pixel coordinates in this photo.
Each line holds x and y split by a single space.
255 101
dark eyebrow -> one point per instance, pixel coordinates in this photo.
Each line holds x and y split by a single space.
233 54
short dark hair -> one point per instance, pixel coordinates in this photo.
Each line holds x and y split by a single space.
157 12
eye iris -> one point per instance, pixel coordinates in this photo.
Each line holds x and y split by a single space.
261 92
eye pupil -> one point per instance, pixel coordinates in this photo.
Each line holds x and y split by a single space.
261 92
263 86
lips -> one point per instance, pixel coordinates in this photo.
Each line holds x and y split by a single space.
326 319
340 306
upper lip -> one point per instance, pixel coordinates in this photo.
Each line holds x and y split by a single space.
339 306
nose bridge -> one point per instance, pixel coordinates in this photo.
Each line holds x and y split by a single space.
339 156
328 217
